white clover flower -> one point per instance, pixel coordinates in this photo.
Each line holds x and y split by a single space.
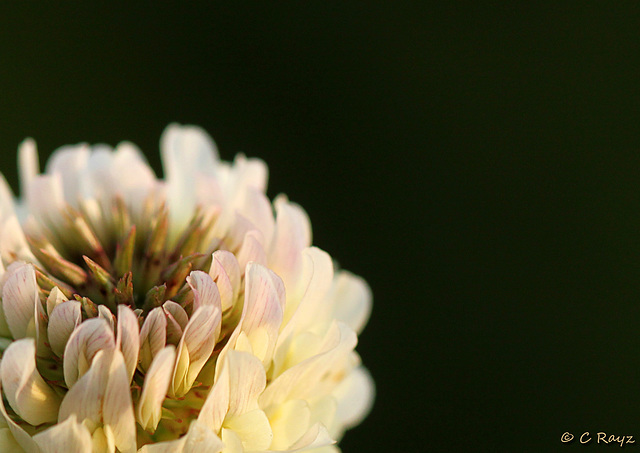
176 315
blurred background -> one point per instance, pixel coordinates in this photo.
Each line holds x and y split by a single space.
479 165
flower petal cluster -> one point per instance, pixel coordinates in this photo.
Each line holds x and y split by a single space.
185 314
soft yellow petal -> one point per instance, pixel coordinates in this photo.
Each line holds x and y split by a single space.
154 389
28 394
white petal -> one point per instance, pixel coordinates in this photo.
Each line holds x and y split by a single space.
28 394
154 389
66 437
63 320
91 336
128 338
19 296
198 439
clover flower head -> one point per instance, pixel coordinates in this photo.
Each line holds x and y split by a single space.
185 314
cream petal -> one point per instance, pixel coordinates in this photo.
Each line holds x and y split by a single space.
232 442
66 437
118 408
63 320
18 434
55 298
153 337
252 428
128 338
352 299
289 422
198 439
247 381
154 389
316 437
355 395
204 290
300 380
105 313
27 392
92 336
216 405
19 296
195 348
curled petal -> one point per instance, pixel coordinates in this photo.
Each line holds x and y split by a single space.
204 290
225 271
28 394
177 312
19 296
355 397
153 336
63 320
91 336
252 249
199 439
351 298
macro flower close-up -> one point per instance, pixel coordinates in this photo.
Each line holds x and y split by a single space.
184 314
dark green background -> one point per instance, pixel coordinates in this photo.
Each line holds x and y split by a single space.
479 165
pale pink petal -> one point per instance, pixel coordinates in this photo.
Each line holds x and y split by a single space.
195 348
252 249
204 289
